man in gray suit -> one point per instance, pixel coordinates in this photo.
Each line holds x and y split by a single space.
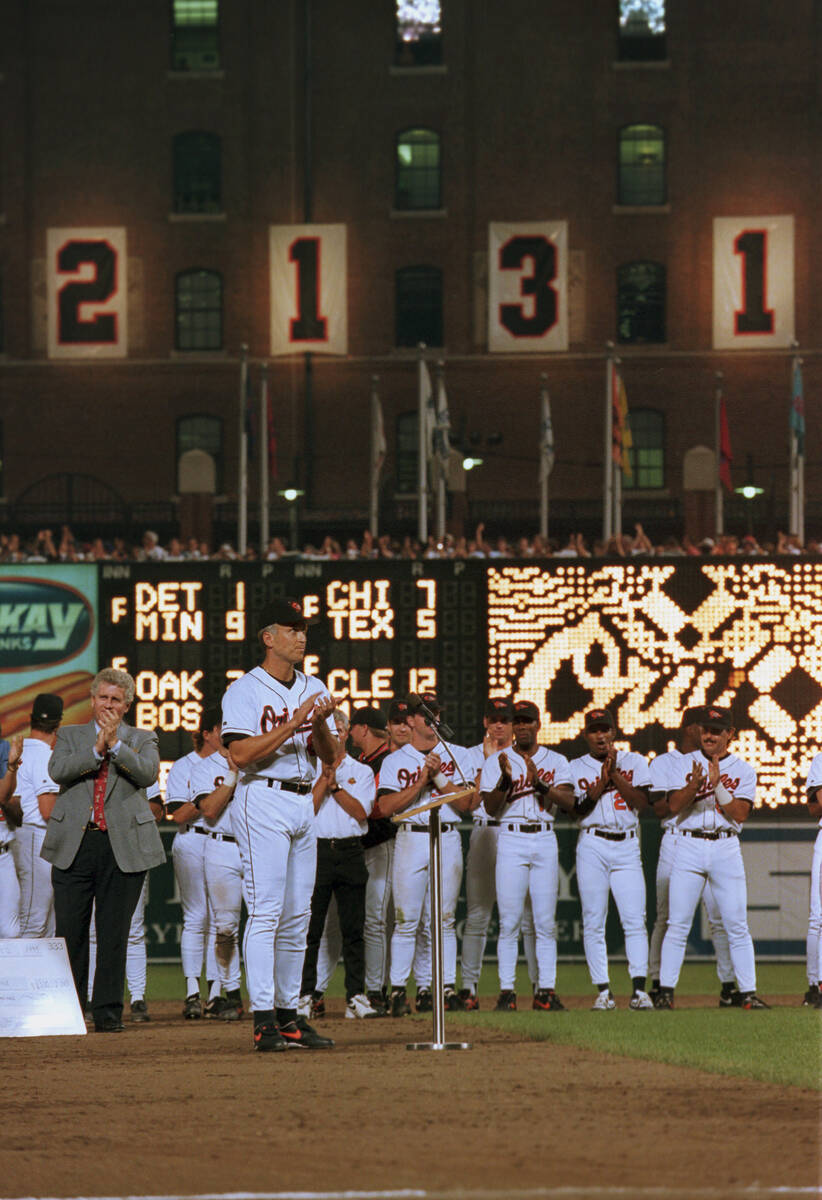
102 838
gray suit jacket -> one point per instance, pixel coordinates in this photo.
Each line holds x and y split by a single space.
135 841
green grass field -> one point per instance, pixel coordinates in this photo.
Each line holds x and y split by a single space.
783 1046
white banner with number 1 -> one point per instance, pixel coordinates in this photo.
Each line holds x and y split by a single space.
753 282
309 289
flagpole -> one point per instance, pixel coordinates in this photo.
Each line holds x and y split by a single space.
422 465
439 463
264 464
797 449
543 451
719 512
242 468
608 496
373 505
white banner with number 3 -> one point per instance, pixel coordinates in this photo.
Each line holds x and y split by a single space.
309 289
528 287
753 282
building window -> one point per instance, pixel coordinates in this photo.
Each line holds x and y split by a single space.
202 432
408 453
642 165
197 173
419 33
642 31
195 35
641 303
419 306
647 449
418 170
198 310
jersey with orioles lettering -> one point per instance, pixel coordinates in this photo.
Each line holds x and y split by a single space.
611 812
404 767
523 804
738 778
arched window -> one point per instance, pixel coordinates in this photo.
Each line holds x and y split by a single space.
648 449
642 165
418 33
200 431
197 172
642 30
418 170
640 303
195 35
418 293
198 310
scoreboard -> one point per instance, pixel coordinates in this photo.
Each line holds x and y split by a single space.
646 638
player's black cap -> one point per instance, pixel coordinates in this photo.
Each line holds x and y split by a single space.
368 715
599 718
498 709
284 611
47 707
429 699
716 718
399 711
524 710
692 716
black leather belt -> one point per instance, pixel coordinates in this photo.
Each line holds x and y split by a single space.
301 789
218 837
340 843
712 835
91 827
424 828
614 837
487 821
527 828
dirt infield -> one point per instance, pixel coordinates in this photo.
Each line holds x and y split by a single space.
178 1107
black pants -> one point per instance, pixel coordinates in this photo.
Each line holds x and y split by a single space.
341 872
94 877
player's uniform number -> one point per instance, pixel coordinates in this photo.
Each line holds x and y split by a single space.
102 327
754 316
543 301
308 325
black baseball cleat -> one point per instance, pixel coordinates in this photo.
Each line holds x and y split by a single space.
546 1000
213 1008
399 1003
751 1000
811 997
730 997
192 1009
665 999
298 1035
377 1002
232 1007
507 1002
317 1006
468 1000
451 1000
267 1038
425 1001
139 1012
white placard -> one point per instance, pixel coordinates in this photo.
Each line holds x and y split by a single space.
309 289
753 282
37 993
528 287
87 284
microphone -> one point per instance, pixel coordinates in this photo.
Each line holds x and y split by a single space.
442 729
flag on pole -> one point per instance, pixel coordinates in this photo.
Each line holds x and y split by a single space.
622 440
427 408
725 455
442 428
546 439
798 407
379 446
250 417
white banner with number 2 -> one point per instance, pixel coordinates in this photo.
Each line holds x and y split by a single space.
528 287
753 282
86 277
309 289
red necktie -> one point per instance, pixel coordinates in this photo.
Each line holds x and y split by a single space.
100 779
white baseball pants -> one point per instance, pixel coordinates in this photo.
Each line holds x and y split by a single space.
605 866
34 877
697 862
527 866
724 966
814 941
278 848
224 884
197 938
480 894
409 884
9 896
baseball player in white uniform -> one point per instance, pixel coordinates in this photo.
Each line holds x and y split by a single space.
276 723
213 781
611 788
37 793
813 996
521 787
664 769
9 821
424 769
716 795
197 941
480 865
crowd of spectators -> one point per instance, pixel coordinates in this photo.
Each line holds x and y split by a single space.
44 547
